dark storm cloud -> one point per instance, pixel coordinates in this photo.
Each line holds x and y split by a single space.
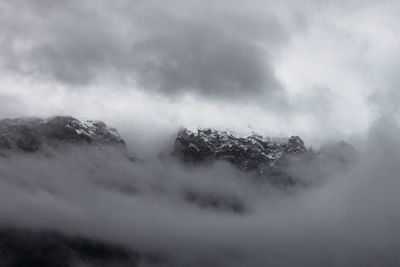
65 41
206 61
215 52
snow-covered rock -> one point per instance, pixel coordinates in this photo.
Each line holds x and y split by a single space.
261 155
30 134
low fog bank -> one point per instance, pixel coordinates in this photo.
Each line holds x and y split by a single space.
347 217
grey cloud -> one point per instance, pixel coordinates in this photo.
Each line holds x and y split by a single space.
67 41
206 61
10 106
219 53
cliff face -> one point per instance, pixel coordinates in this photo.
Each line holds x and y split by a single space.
31 134
263 156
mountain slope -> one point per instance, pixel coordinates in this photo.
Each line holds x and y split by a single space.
263 156
32 134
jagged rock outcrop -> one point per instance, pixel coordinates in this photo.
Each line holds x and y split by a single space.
255 153
279 161
31 134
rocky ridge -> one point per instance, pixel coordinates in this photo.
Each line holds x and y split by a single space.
31 134
267 158
263 156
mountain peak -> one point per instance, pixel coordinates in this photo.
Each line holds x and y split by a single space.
30 134
253 153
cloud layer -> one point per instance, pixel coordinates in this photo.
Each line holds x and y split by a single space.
206 50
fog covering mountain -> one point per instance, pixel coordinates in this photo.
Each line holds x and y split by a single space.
205 167
73 194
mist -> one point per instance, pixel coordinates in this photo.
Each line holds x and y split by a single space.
327 72
348 219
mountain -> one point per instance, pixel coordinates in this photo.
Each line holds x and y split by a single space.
32 134
263 156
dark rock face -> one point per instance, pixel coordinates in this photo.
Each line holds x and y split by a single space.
263 156
21 248
30 134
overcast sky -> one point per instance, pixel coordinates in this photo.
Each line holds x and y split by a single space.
320 69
